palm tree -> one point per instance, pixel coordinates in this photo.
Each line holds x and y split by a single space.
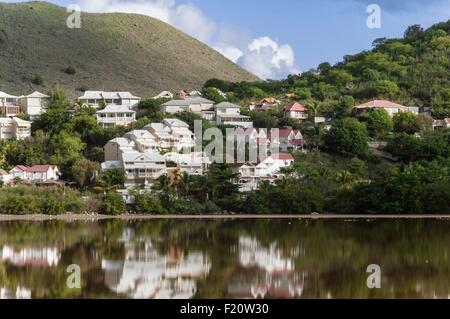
345 178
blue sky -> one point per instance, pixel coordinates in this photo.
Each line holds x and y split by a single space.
273 38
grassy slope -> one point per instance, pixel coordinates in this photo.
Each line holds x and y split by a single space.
110 51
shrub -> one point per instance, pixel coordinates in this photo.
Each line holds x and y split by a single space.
70 70
113 204
38 79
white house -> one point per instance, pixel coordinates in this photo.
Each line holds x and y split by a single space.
5 177
115 148
9 104
144 140
268 169
230 114
296 111
268 103
36 174
14 128
180 130
391 107
94 98
115 115
194 104
286 138
143 168
34 104
195 163
164 95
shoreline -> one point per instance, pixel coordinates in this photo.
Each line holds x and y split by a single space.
131 217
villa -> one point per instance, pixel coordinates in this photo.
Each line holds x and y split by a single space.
14 128
115 115
195 163
9 104
267 169
390 107
34 104
95 98
172 133
36 174
142 168
296 111
194 104
144 141
230 114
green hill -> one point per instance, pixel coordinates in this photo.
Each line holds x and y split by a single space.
413 70
109 52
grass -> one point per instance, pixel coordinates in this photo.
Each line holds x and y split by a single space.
109 52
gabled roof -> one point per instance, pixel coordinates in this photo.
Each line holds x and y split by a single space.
4 95
143 157
123 142
140 134
227 105
37 94
3 172
282 156
36 168
380 104
176 123
295 107
112 108
100 95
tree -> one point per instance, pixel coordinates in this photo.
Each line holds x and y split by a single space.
358 168
212 94
84 172
113 204
378 122
220 184
344 107
263 119
404 146
111 179
413 30
406 122
347 137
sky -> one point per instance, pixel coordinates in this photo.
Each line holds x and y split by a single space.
274 38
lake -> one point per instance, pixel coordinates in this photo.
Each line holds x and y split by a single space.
258 258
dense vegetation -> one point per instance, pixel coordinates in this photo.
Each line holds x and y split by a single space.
412 71
124 52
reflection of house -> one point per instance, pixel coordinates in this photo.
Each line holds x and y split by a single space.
390 107
266 273
145 273
95 98
29 256
19 293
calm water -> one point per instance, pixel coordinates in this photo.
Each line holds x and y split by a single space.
225 259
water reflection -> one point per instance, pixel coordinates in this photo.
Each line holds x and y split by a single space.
265 272
148 273
225 259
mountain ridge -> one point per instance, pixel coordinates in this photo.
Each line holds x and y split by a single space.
111 51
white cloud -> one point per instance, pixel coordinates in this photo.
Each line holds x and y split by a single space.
262 56
267 59
231 52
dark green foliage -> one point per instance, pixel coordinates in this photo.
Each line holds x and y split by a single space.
347 137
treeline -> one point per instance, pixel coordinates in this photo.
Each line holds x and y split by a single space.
412 70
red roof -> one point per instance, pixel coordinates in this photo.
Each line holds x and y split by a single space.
295 107
3 172
282 156
297 142
380 104
36 168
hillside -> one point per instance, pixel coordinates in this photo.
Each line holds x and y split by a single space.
110 52
413 70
